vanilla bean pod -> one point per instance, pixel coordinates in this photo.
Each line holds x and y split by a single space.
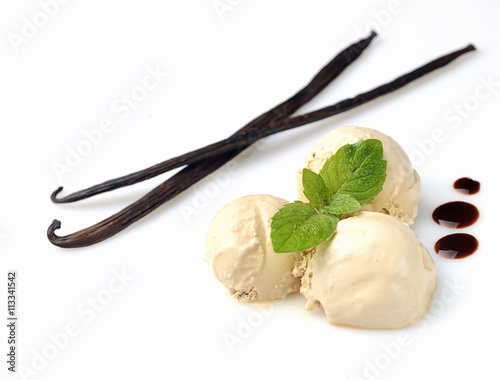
196 171
326 75
347 104
137 210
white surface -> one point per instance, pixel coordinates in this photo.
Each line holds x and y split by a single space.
171 319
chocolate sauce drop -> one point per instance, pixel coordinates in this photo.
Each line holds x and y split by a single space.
456 214
456 246
467 186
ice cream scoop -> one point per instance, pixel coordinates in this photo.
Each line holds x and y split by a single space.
372 273
238 248
399 196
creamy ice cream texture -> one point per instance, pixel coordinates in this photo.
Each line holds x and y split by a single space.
399 196
374 273
238 248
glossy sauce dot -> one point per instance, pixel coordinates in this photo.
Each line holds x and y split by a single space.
456 214
456 246
467 186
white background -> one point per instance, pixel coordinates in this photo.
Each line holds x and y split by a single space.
223 66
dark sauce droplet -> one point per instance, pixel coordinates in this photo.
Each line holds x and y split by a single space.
456 214
467 186
456 246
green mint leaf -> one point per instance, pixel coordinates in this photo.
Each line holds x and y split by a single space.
341 204
298 226
357 170
349 179
315 188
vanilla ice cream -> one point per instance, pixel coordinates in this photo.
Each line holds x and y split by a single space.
239 250
374 273
399 196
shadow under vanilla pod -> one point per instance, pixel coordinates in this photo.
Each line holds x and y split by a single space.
202 162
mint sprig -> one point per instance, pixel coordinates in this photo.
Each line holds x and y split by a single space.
348 180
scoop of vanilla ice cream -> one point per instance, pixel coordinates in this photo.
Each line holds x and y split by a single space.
373 273
238 248
399 196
